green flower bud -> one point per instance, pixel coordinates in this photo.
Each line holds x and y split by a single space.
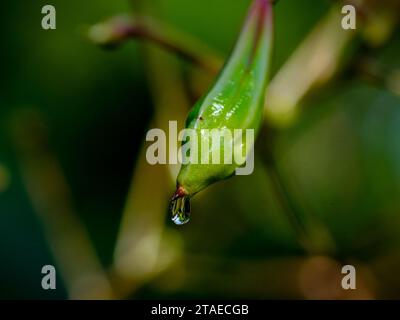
235 101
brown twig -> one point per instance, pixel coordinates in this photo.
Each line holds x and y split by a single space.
118 30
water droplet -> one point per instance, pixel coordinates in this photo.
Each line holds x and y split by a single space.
180 209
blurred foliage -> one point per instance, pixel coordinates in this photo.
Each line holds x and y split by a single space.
340 160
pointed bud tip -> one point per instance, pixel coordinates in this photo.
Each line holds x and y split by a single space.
179 193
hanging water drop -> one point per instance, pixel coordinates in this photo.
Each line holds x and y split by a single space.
180 208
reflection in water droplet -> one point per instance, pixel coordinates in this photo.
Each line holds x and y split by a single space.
180 209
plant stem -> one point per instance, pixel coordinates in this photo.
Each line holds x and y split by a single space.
145 248
311 234
51 198
119 29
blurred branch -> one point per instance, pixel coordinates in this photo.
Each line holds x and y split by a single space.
119 29
318 58
145 248
319 54
314 237
48 190
313 63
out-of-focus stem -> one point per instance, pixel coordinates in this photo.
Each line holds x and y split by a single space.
144 246
313 63
322 61
119 29
318 58
50 195
310 233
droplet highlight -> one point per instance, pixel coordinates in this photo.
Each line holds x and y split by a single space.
180 210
